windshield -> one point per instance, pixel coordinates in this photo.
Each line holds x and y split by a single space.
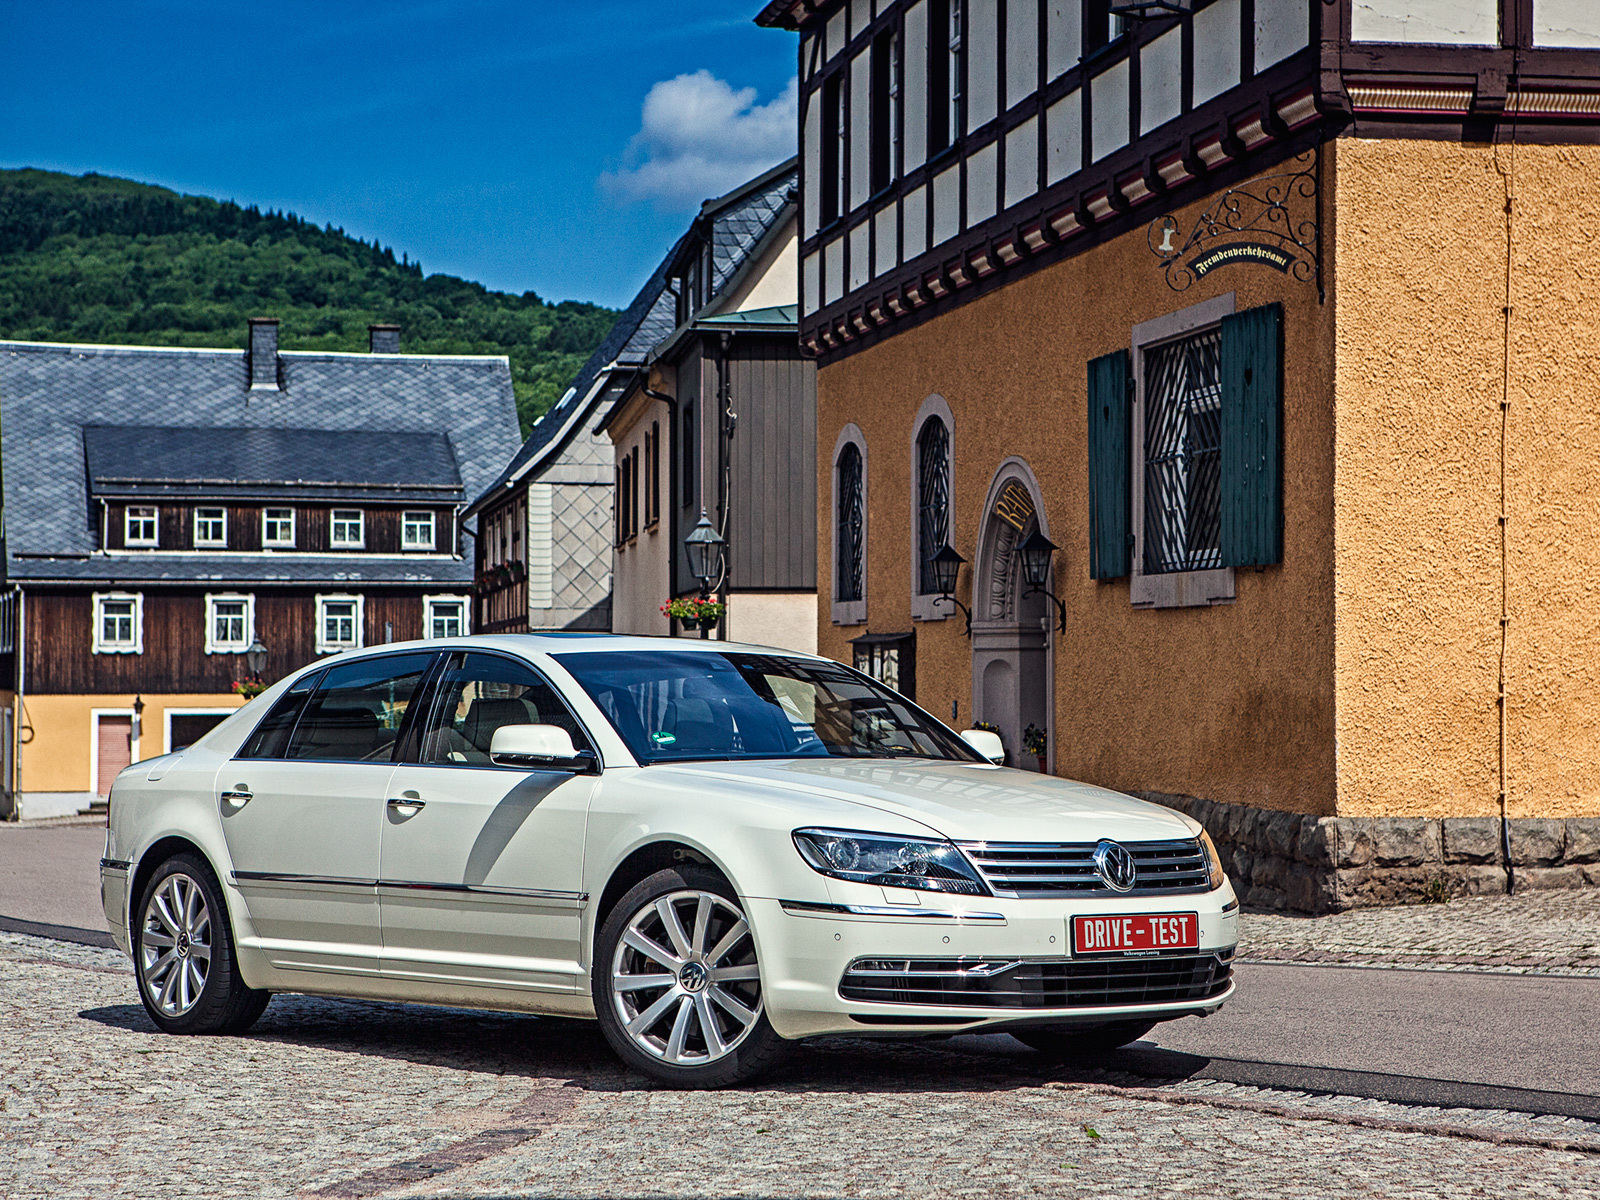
675 706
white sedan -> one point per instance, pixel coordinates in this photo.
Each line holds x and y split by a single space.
714 849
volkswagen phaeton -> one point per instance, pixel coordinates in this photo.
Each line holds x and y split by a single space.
716 850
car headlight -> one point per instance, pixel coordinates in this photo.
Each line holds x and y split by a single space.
1213 861
926 864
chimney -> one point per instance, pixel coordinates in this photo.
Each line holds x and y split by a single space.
264 354
383 339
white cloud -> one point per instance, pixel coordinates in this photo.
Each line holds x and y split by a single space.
699 138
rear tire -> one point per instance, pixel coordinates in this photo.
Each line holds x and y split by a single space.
183 953
1066 1042
676 984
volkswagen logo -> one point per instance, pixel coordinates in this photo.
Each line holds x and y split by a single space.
1115 866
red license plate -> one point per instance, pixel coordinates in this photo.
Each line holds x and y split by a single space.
1135 933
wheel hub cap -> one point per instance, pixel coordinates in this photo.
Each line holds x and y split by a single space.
175 945
685 984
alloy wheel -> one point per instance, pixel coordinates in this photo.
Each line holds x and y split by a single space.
684 978
175 945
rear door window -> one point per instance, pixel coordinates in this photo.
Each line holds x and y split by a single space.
480 693
359 710
271 737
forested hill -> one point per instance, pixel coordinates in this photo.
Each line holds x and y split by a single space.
95 259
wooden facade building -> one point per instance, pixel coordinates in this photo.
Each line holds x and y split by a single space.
173 512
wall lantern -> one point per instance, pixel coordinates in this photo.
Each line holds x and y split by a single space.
256 659
136 726
946 563
704 546
1036 554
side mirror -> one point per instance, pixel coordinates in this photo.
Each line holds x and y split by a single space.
536 746
987 744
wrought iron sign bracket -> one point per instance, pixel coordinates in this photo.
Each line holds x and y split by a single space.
1251 223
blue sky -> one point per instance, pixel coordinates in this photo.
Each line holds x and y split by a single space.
534 145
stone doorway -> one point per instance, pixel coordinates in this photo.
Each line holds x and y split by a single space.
1011 662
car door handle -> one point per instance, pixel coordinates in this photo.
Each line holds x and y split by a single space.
238 797
412 802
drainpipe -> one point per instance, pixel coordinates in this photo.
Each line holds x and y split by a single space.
727 421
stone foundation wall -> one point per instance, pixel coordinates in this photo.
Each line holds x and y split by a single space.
1287 862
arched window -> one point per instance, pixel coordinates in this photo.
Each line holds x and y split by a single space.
850 523
933 499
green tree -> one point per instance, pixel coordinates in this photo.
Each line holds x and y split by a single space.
96 259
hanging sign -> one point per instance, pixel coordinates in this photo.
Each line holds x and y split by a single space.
1248 224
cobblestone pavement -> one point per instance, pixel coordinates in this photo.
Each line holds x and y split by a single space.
1534 933
348 1099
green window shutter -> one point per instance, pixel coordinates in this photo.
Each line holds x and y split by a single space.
1110 454
1252 437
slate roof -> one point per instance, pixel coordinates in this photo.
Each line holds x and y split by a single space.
50 393
739 220
226 462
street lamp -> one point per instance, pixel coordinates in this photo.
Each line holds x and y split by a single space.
1036 553
946 563
704 546
256 659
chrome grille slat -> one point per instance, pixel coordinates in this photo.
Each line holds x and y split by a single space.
1035 870
1171 978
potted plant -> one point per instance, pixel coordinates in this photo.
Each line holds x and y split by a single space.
709 613
248 688
1034 742
683 609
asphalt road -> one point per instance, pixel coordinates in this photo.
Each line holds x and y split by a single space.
1523 1042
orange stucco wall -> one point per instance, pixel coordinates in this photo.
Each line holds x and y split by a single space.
1232 702
1422 363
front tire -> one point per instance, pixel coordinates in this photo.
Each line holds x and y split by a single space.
183 953
677 986
1065 1042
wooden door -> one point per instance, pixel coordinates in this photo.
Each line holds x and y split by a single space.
113 749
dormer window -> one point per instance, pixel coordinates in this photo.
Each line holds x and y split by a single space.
210 528
139 528
349 529
277 528
416 531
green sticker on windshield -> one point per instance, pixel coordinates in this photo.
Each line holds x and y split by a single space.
663 739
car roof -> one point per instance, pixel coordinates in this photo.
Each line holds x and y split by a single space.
561 642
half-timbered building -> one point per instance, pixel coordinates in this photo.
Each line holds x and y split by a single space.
1205 401
185 522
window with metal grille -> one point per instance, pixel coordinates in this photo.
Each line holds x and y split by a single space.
933 500
850 521
1182 464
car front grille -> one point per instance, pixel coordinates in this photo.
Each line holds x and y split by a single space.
1040 983
1035 870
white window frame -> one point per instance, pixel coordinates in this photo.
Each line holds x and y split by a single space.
407 519
210 543
428 604
127 525
335 515
269 543
213 645
100 645
923 607
1176 589
849 612
168 713
324 646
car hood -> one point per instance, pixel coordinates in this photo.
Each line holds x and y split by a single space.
962 801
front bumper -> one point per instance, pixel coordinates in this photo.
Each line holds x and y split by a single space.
983 963
114 900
